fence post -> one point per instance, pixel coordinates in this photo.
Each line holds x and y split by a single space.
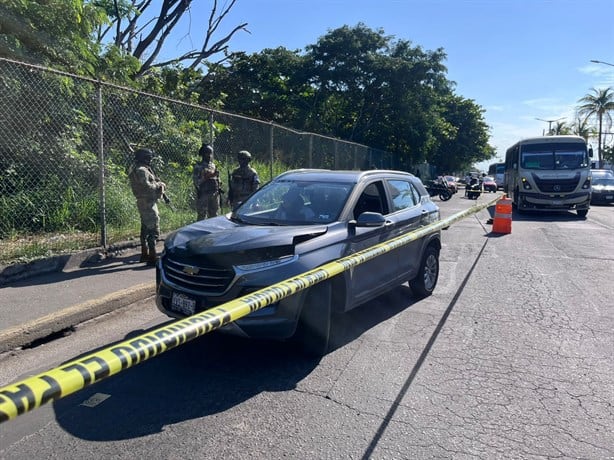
211 126
336 159
310 153
271 145
103 209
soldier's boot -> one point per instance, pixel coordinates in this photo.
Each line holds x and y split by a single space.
151 256
143 253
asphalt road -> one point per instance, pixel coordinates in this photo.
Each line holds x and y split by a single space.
510 358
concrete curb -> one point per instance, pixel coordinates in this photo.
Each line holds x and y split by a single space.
25 334
65 262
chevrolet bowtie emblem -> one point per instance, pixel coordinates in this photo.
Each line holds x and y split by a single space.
191 270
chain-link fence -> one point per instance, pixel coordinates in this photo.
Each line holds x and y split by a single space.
65 148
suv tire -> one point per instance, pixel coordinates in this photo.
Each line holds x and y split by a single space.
425 281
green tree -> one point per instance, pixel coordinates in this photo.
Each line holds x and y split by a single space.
599 104
51 32
464 141
140 31
267 85
357 84
581 127
561 128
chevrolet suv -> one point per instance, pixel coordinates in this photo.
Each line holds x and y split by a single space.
301 220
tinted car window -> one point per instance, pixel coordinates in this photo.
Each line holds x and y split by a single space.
403 195
372 199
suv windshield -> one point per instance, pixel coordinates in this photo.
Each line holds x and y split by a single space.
295 203
600 174
603 181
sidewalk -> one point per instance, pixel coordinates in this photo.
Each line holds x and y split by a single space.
52 295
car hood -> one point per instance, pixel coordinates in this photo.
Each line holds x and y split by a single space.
221 235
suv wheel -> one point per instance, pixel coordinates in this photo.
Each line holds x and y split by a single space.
425 281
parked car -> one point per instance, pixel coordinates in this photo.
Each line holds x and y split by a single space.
300 220
452 183
489 184
602 173
602 186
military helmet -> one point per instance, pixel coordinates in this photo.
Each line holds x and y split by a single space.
143 154
205 149
244 154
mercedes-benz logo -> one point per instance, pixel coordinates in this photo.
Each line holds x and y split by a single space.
557 188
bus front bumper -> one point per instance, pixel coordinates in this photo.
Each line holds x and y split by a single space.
545 202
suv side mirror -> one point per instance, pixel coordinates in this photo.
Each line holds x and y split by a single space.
590 152
370 219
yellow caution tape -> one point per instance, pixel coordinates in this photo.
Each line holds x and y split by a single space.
33 392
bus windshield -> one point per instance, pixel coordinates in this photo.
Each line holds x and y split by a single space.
566 155
496 168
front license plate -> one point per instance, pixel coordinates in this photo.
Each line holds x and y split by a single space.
556 202
181 303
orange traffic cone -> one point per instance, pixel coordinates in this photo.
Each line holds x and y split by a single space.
503 216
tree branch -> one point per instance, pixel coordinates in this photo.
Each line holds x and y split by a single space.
156 31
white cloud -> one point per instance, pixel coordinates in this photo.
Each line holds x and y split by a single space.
603 74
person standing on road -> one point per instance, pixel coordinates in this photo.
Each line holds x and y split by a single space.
206 178
147 190
243 180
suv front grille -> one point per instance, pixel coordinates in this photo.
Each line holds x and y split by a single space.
197 277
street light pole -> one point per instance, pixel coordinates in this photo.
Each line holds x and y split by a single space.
550 123
601 62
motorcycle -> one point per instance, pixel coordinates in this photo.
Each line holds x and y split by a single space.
438 189
473 189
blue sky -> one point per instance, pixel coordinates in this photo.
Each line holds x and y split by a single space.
518 59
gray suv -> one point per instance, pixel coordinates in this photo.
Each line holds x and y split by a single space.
301 220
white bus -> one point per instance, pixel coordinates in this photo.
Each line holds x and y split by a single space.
497 172
549 173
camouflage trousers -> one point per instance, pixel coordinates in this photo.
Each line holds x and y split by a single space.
150 222
207 205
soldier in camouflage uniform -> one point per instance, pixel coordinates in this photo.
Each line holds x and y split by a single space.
147 189
243 180
206 178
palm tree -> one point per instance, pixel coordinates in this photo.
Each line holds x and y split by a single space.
561 128
582 128
599 104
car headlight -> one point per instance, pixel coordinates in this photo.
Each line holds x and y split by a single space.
525 184
267 263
